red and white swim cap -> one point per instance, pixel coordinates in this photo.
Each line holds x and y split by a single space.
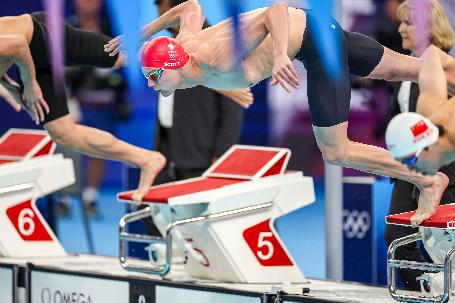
409 133
163 52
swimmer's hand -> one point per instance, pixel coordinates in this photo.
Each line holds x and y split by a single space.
31 99
244 97
283 72
114 46
9 96
34 103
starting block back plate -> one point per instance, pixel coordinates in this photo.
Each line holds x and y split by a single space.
20 144
444 218
250 162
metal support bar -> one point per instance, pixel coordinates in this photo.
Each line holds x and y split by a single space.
405 264
167 240
393 265
216 216
125 237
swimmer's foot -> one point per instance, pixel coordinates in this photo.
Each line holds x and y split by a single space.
429 199
153 163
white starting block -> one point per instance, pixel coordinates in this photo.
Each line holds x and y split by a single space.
224 220
438 237
29 171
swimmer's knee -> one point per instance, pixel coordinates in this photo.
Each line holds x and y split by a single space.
335 156
61 130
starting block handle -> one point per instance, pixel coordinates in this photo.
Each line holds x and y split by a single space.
400 242
393 265
128 237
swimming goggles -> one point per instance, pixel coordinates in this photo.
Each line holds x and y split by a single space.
154 75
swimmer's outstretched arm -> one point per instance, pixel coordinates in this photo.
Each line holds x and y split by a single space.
432 81
255 27
15 48
277 24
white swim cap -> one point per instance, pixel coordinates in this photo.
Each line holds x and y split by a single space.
410 133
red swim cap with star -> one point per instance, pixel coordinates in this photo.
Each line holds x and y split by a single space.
163 52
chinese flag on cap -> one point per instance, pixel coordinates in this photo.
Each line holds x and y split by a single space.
419 128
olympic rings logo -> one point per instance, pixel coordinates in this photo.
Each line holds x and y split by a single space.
356 224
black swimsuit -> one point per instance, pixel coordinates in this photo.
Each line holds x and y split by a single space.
81 48
329 99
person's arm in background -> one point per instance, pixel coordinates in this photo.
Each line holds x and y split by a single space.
244 97
230 127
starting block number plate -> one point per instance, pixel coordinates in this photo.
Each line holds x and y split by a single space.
265 245
27 223
6 282
47 287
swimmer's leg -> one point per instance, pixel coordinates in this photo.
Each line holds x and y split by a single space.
337 149
101 144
